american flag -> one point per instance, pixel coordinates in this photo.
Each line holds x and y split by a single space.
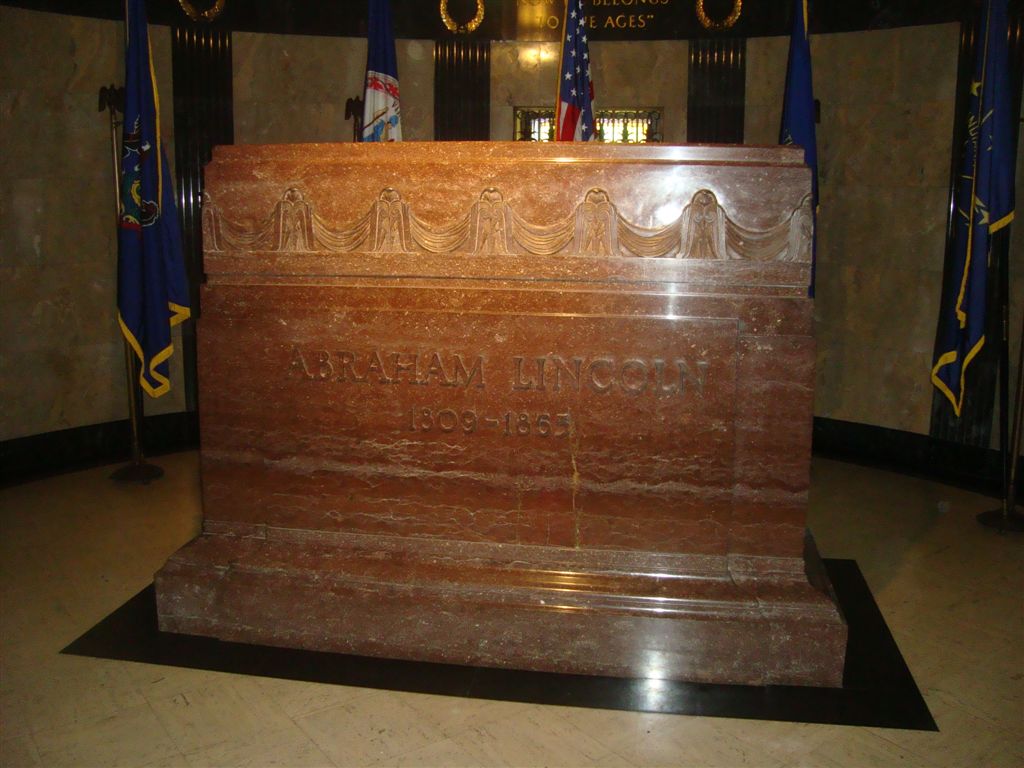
575 89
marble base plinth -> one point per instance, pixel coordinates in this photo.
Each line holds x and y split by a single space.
744 620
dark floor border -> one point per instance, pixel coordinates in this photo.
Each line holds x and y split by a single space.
965 466
30 458
878 688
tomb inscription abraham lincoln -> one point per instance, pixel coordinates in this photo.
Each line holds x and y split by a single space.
532 406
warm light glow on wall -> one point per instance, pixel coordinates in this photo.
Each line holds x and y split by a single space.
539 19
536 54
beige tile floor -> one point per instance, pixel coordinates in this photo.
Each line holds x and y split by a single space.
75 547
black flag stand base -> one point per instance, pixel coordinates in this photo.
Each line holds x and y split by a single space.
139 471
142 473
1004 521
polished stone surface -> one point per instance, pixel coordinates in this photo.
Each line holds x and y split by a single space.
513 405
878 690
291 88
77 546
61 352
883 151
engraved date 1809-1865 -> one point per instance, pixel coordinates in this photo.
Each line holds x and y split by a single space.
509 423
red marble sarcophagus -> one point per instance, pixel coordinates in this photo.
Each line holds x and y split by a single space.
536 406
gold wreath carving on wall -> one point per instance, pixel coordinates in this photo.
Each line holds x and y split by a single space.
209 14
462 29
708 23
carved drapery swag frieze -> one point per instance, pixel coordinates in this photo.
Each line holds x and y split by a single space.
703 230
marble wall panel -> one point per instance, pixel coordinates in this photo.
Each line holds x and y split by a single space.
61 359
883 147
648 74
293 88
626 74
766 81
522 75
416 79
884 140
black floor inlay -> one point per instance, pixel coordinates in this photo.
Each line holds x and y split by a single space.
878 689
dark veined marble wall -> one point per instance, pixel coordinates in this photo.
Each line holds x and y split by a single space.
884 138
887 100
292 88
61 355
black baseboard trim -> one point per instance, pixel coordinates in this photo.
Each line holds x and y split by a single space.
976 469
964 466
30 458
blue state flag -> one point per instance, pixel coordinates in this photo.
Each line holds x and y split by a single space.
798 109
152 291
382 116
984 205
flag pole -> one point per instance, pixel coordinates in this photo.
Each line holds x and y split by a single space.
354 112
1012 487
1007 518
139 470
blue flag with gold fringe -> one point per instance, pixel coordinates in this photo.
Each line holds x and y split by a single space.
798 109
984 205
152 291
